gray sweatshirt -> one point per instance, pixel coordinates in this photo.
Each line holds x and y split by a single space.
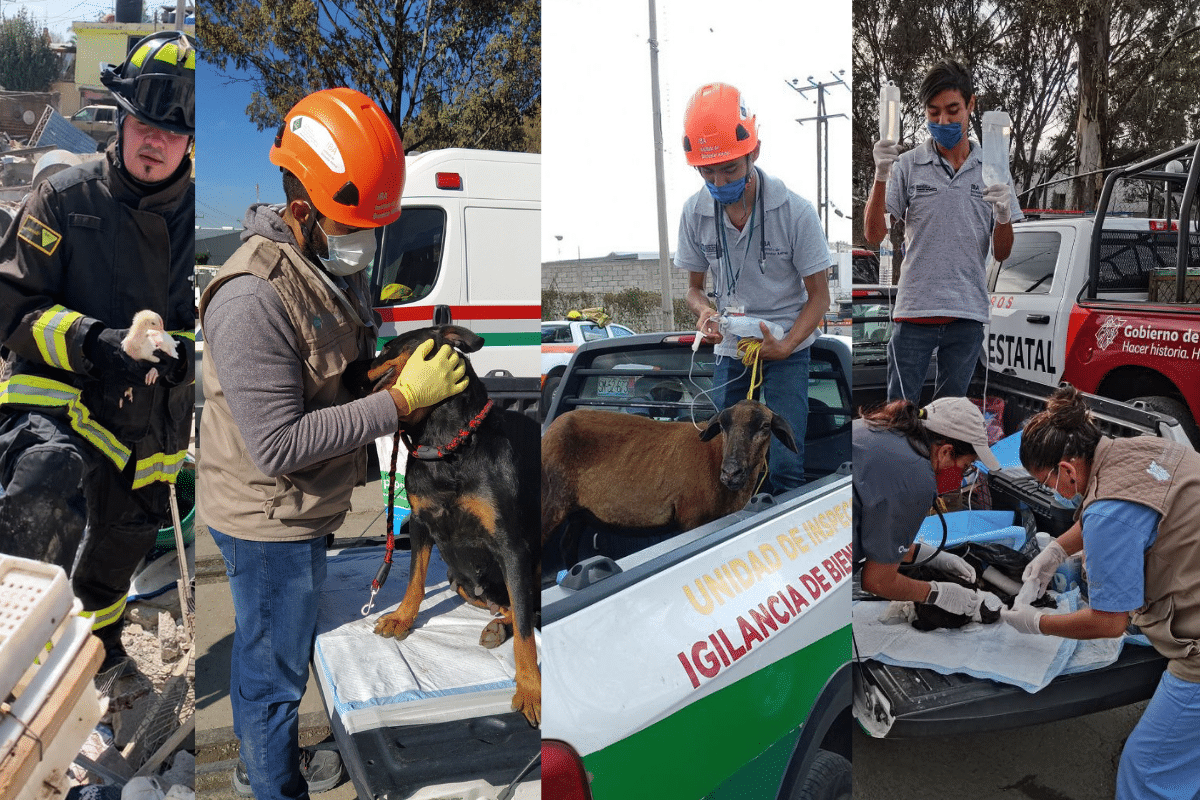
256 354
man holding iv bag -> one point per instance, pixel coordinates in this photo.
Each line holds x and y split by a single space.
768 255
954 210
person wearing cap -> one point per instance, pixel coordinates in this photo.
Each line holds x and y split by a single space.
1139 526
768 257
950 221
898 451
284 441
86 442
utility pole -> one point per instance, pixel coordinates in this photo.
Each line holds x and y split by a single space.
822 120
664 249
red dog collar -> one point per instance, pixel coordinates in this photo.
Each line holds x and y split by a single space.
425 452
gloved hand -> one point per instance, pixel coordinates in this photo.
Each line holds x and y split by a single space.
885 153
173 369
1000 196
426 381
947 562
109 360
954 598
1044 565
1026 619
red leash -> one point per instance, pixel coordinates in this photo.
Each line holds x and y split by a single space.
425 453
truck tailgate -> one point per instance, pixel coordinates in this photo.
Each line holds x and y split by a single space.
428 717
903 702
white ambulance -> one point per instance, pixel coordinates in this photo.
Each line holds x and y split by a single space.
465 249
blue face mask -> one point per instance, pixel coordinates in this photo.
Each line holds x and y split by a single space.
1062 501
729 193
946 135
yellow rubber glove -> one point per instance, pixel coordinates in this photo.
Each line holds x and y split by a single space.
426 381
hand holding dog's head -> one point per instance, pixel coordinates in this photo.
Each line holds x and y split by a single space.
386 367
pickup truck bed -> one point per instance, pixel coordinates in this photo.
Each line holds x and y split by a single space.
665 690
898 702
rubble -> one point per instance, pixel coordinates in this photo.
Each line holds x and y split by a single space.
148 730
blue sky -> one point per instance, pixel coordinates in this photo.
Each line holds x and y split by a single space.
231 153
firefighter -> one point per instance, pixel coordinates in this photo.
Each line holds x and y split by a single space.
89 448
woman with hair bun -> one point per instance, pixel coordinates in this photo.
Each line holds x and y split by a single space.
1139 524
898 451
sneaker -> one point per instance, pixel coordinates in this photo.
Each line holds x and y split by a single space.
241 781
321 769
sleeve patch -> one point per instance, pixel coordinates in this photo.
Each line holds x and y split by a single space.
40 235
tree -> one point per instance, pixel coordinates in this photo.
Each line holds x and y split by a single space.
1089 85
27 64
449 73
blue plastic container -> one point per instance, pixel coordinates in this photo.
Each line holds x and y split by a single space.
973 526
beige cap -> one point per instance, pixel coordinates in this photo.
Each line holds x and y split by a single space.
959 418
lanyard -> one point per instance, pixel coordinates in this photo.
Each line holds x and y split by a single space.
945 164
723 244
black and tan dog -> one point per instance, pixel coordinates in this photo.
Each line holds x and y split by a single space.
472 480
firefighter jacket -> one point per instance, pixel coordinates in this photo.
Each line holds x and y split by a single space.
90 247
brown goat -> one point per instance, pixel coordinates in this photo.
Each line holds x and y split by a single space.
633 472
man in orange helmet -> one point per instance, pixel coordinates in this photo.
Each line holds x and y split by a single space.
768 256
284 442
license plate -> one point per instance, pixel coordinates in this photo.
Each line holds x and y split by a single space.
614 386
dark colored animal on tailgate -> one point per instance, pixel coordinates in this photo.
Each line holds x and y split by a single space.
979 555
478 503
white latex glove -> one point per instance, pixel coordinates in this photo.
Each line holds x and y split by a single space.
956 599
1044 565
885 153
947 562
1030 591
1025 619
1000 196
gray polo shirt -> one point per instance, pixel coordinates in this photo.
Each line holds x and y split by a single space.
894 488
947 234
795 247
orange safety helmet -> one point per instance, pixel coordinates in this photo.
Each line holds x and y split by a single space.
717 127
347 154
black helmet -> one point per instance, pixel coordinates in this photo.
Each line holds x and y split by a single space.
157 82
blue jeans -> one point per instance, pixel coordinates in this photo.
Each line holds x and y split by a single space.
275 587
1161 759
958 345
784 391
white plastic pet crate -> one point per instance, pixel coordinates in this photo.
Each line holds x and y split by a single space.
48 658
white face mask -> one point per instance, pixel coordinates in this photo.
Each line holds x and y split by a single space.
350 253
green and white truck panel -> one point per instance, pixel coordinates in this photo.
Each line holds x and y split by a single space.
691 671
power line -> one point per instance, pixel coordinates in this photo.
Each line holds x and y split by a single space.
822 120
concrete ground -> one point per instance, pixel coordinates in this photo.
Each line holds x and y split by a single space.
216 747
1073 759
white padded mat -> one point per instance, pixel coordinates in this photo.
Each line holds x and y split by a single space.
440 658
996 652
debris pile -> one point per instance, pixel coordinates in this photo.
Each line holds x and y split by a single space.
144 747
